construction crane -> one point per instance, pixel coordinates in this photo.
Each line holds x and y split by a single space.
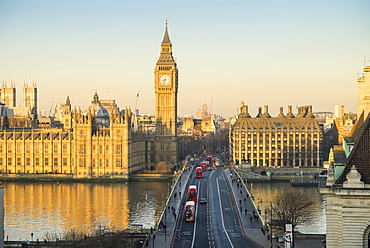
51 109
137 99
205 113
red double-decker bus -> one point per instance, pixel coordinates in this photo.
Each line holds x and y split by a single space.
217 162
204 165
198 172
190 211
192 193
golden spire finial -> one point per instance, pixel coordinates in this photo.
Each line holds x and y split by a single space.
166 38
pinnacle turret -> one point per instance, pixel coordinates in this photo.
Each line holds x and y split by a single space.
166 38
166 49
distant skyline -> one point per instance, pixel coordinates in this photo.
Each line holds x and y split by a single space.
274 53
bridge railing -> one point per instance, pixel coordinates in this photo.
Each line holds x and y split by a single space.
177 176
250 196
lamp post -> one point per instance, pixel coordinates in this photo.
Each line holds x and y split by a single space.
270 224
153 238
165 225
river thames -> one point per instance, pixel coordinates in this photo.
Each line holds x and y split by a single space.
52 209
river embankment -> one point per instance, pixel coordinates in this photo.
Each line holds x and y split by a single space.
60 177
279 174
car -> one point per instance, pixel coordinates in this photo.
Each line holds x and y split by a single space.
203 200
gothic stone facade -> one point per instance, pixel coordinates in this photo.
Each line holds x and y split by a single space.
101 142
82 148
166 89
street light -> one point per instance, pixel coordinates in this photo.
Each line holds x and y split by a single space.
165 224
153 238
270 233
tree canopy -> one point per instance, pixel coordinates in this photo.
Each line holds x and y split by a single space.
293 207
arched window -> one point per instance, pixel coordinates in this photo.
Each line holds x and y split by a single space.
366 239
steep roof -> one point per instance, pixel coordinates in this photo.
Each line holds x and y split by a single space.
357 129
360 155
166 38
166 57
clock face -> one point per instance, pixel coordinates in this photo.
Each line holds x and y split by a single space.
165 79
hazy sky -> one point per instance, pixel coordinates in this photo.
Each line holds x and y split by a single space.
276 52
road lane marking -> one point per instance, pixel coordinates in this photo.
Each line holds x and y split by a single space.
196 216
222 214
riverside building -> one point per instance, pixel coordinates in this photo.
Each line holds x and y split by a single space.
347 189
101 141
285 140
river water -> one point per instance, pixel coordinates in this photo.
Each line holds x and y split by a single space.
265 192
51 209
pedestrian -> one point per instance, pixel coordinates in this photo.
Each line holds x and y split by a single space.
245 211
180 193
240 202
175 195
247 196
251 218
241 192
241 208
179 183
245 199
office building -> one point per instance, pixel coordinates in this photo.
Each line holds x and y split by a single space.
285 140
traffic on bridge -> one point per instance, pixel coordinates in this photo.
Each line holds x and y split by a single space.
209 207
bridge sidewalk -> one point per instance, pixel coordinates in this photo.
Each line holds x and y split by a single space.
253 227
250 219
163 236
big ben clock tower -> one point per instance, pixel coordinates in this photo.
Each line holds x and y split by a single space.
166 85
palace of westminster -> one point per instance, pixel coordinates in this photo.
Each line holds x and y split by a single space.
106 141
101 141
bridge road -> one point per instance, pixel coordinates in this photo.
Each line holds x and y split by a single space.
218 222
160 237
252 228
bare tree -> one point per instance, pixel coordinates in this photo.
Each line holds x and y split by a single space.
73 235
293 207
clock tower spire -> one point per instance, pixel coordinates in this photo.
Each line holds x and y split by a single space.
166 88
